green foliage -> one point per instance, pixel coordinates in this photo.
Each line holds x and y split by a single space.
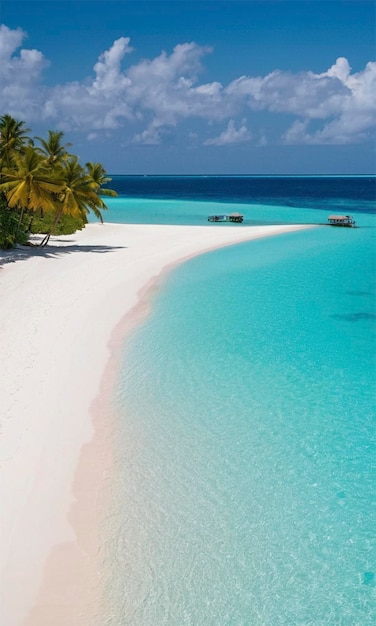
52 149
45 187
11 230
67 224
13 139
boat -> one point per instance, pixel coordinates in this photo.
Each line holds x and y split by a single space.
232 217
341 220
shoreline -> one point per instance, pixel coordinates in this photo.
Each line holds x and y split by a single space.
57 436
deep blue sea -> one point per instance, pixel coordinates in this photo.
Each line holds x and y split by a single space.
246 447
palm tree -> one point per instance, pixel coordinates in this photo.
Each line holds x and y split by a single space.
29 184
47 179
13 138
79 195
99 176
52 148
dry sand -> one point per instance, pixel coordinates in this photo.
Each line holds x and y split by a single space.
59 308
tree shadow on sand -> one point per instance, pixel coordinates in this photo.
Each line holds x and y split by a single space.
24 253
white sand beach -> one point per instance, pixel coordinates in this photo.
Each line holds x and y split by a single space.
64 310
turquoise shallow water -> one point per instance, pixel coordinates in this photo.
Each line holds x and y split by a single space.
178 211
245 487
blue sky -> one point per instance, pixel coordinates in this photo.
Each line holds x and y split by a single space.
214 87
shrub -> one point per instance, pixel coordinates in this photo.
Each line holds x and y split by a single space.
42 224
11 230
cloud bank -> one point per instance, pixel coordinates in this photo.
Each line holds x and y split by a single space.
150 98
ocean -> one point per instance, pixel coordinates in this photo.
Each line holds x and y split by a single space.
245 448
262 199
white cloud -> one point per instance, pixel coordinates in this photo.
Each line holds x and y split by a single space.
311 95
153 95
354 117
230 135
297 132
341 69
20 89
27 67
109 78
10 40
151 136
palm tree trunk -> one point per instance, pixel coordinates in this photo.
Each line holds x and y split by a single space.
21 217
20 220
46 239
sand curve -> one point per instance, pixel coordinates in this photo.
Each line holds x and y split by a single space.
59 307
